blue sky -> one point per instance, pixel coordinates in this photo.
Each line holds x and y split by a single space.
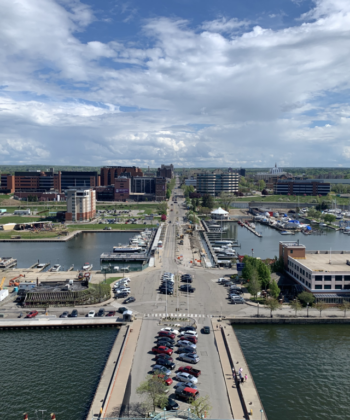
190 82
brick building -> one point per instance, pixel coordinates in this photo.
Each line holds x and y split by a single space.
166 171
81 204
109 173
7 184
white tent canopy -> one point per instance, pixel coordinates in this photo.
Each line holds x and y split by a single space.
220 211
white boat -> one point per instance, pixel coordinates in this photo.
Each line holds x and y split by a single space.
55 268
223 242
252 225
286 232
87 266
127 249
323 225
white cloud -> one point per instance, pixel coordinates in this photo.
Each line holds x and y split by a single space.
259 89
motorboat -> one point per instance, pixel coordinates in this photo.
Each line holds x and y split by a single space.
55 268
286 232
223 242
127 249
323 225
87 266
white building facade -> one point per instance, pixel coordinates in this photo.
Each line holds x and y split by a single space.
81 204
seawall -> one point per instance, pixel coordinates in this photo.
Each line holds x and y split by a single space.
291 320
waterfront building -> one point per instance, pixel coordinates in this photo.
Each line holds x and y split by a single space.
326 274
216 183
219 214
81 204
302 187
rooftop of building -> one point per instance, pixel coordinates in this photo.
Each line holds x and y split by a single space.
320 262
294 244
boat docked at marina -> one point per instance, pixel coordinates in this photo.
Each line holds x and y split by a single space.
127 249
55 268
6 262
87 266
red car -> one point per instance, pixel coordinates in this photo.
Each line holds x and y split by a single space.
162 350
111 313
168 381
189 369
189 338
32 314
166 334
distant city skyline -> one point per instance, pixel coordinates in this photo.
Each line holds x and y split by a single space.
193 83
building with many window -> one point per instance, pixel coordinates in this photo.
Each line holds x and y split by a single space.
303 187
109 173
81 204
79 179
326 274
166 171
214 184
7 184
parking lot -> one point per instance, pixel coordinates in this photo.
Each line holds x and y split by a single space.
210 382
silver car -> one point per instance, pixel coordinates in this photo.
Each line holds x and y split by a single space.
162 369
191 358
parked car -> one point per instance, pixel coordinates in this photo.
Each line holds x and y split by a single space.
187 328
167 363
129 300
166 291
192 339
186 394
111 313
187 288
64 314
221 280
171 405
101 312
191 370
166 334
74 313
183 385
190 358
206 330
165 343
91 314
161 369
164 357
185 343
169 339
189 333
237 300
167 380
121 295
162 350
186 377
169 329
32 314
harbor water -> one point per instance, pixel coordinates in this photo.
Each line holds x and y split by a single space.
267 246
55 370
86 247
300 371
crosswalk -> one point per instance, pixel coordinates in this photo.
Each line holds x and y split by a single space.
177 315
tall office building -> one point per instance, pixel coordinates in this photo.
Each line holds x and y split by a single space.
81 204
215 184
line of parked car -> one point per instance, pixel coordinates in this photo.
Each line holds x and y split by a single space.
168 281
186 376
234 291
122 289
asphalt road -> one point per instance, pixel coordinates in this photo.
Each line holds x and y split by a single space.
210 382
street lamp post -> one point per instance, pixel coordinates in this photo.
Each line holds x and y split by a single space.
307 309
252 252
261 412
258 309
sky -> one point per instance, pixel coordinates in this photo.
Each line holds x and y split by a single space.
196 83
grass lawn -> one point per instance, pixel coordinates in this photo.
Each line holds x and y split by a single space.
27 235
113 226
18 219
112 280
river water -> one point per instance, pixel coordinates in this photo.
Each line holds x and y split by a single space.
301 372
86 247
56 370
267 246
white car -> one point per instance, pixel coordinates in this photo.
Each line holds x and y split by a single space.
91 314
189 334
186 377
185 343
176 332
221 279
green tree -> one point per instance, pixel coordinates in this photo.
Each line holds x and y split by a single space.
205 210
168 194
226 199
254 286
264 275
162 207
306 298
247 271
208 201
272 304
296 305
321 306
201 407
274 289
262 184
344 306
329 218
154 389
